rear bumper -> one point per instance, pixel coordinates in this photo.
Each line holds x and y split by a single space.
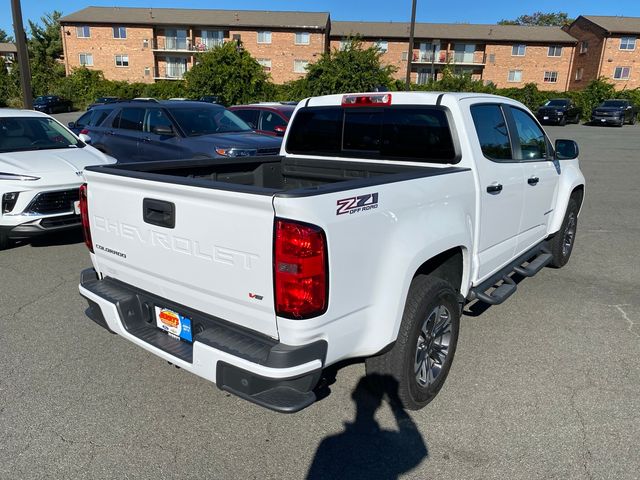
252 366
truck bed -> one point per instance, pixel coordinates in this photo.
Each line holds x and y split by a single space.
280 176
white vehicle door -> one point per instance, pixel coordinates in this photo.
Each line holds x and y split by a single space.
541 178
501 194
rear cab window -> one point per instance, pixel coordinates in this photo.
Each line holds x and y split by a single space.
414 133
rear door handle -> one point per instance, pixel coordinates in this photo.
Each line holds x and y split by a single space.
494 188
533 180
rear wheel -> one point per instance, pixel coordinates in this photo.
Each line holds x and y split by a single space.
561 244
420 360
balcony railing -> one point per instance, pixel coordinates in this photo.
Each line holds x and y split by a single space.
459 58
171 71
172 44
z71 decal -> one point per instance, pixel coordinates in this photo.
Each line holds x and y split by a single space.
357 204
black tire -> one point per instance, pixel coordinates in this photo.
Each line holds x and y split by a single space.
563 121
561 244
4 241
633 120
429 329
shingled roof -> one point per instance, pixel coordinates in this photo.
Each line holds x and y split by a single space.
8 47
454 31
198 17
616 24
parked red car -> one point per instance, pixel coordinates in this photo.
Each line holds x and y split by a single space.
266 118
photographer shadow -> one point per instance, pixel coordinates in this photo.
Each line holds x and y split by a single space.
363 449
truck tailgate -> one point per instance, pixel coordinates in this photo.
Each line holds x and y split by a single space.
217 258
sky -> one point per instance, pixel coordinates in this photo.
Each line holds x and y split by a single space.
462 11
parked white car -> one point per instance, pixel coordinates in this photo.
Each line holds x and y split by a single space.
41 165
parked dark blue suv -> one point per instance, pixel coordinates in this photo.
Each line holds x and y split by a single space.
135 131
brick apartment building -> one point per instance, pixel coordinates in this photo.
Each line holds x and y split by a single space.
607 47
8 53
506 55
144 44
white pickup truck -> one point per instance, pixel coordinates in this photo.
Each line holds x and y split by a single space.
383 215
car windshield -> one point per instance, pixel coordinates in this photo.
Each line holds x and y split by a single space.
197 121
34 133
43 99
614 103
556 103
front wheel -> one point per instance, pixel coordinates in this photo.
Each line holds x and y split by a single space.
421 357
563 121
561 244
4 240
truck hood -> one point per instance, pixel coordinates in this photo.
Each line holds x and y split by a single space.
552 110
46 161
242 139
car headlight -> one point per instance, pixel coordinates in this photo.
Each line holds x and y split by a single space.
236 152
16 176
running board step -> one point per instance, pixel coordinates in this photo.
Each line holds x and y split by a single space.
500 294
535 265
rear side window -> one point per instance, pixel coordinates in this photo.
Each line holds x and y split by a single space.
130 119
413 133
492 131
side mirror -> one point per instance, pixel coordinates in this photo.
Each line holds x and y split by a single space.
566 150
163 130
85 138
279 130
71 124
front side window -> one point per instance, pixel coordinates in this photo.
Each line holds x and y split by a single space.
628 43
550 77
302 38
155 117
554 51
122 60
34 133
120 32
270 120
86 59
533 143
419 134
518 50
264 36
514 76
492 131
622 73
83 31
300 66
250 117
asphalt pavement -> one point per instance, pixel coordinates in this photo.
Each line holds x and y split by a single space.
545 386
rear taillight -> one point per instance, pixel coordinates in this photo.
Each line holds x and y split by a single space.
300 270
84 216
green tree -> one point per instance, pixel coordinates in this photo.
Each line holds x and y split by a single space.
229 72
5 37
552 19
45 51
352 69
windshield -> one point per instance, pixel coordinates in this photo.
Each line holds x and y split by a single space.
556 103
205 121
614 103
43 99
34 133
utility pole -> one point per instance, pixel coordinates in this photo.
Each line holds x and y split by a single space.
23 55
410 56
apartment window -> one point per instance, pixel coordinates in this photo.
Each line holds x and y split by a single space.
122 60
518 50
584 46
147 71
515 76
299 66
83 31
86 59
176 67
405 56
554 51
120 32
145 43
383 45
628 43
579 74
175 39
302 38
265 63
264 36
550 77
211 39
343 44
622 73
492 58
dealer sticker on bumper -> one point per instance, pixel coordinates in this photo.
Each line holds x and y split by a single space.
174 324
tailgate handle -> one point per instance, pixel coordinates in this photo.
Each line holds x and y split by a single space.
159 212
